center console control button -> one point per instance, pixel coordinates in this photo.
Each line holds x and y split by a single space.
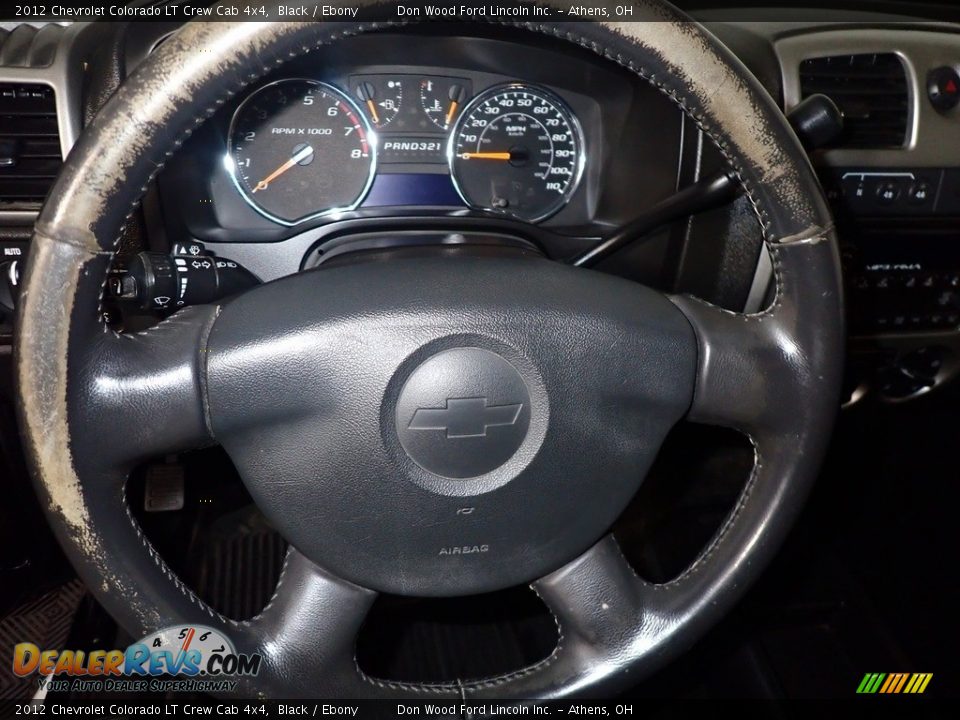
888 193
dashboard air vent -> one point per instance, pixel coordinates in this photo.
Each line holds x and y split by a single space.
870 90
29 46
29 145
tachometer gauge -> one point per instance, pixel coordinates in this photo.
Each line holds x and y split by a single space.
300 149
517 150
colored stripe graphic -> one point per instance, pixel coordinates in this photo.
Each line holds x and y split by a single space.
870 683
894 683
903 679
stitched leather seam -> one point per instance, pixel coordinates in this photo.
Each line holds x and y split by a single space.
529 670
727 525
169 574
437 688
276 592
72 243
775 250
472 686
188 592
616 545
775 253
717 538
202 373
177 143
812 236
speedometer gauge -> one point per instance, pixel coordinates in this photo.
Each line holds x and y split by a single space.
300 149
516 150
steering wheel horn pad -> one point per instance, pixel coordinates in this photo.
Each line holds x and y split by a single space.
301 379
463 413
566 381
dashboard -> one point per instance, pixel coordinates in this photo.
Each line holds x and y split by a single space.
550 143
457 134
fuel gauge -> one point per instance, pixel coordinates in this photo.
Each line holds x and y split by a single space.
381 97
442 98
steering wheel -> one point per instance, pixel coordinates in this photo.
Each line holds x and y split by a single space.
366 410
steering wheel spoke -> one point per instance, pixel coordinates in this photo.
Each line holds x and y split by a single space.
756 371
598 603
140 395
311 622
594 599
742 365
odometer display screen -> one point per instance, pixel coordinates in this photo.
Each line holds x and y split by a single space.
300 149
516 150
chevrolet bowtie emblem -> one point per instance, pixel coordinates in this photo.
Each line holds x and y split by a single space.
465 417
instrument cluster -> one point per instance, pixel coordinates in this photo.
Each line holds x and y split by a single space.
302 148
397 132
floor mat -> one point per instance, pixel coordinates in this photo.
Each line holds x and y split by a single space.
44 622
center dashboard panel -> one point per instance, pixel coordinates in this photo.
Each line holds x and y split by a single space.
551 142
893 181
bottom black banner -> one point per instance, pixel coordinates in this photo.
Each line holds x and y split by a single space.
872 707
284 709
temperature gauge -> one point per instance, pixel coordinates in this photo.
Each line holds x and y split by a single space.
381 97
442 98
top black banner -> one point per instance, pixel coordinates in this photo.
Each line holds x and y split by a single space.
903 11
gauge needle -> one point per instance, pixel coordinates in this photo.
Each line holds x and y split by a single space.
451 111
485 156
373 111
303 154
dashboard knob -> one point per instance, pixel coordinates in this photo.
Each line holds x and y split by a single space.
943 88
817 121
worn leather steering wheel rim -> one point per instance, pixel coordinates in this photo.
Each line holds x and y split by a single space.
93 403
